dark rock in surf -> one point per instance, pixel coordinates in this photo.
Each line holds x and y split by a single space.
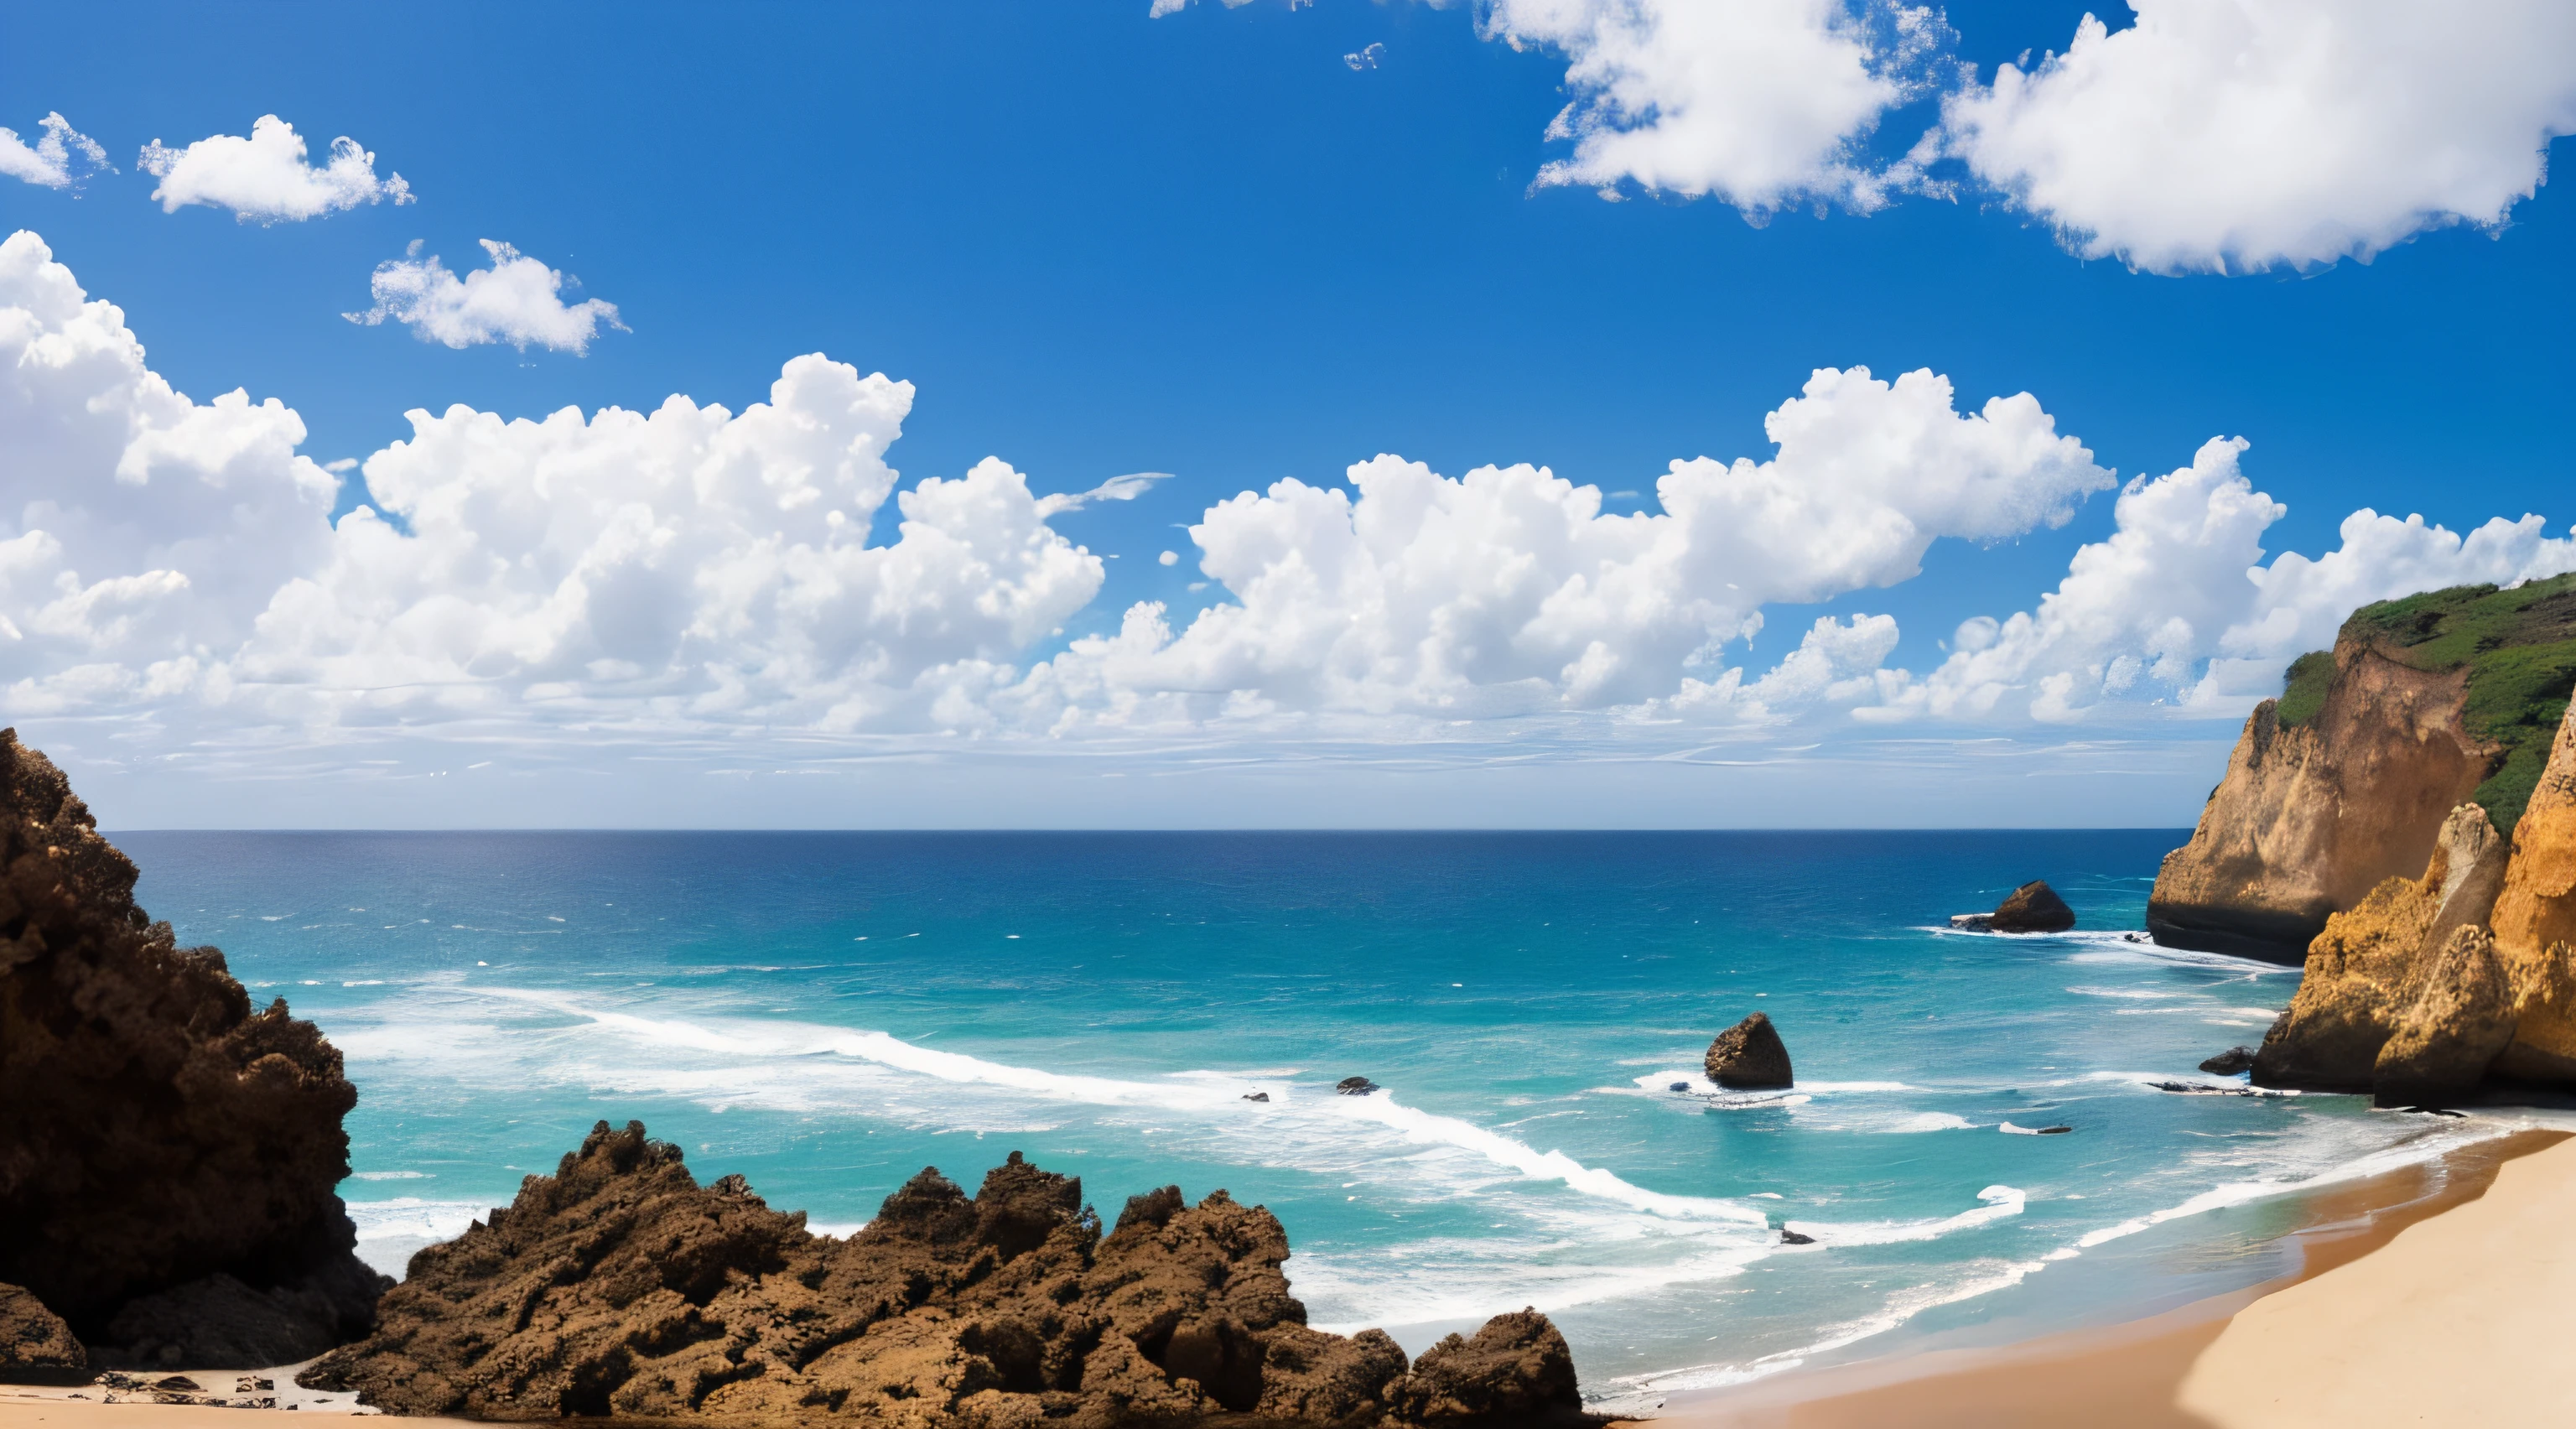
1354 1086
36 1347
619 1287
1678 1087
158 1137
1749 1056
2032 908
2230 1062
1790 1237
1256 1096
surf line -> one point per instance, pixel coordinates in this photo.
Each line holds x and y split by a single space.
1412 1124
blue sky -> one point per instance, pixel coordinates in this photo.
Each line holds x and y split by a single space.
1206 244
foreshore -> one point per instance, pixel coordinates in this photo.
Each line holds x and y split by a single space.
2420 1300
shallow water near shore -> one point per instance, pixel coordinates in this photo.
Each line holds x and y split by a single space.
828 1013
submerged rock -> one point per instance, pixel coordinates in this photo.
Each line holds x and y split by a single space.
1790 1237
1256 1096
2032 908
1749 1056
1355 1086
2230 1062
158 1137
619 1286
36 1347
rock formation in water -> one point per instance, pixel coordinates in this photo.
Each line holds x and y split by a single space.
2230 1062
167 1154
2344 781
2032 908
1749 1056
620 1286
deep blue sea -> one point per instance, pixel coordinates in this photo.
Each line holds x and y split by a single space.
828 1013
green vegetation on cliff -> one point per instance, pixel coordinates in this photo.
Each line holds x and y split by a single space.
2520 649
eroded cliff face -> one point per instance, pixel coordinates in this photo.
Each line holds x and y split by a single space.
167 1153
2309 819
619 1286
2535 922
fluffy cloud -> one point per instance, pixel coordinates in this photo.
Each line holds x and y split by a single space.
1762 103
517 300
265 177
690 565
2232 134
144 532
62 158
1508 591
2176 607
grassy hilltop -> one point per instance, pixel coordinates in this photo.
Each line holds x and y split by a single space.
2519 646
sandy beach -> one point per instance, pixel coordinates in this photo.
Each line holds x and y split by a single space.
2472 1278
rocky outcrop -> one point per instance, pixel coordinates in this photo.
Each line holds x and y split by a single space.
1749 1056
2535 922
2344 782
162 1143
36 1347
620 1286
2403 994
2230 1062
2032 908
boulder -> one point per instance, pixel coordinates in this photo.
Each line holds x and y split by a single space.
2377 964
619 1286
2456 1019
1749 1056
2230 1062
1515 1371
2535 921
1354 1086
2424 703
156 1131
2032 908
36 1347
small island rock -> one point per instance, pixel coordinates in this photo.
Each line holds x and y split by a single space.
1749 1056
1354 1086
2230 1062
2032 908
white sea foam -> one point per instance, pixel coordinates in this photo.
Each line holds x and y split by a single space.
2000 1202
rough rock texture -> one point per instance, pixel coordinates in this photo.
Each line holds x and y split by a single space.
1516 1370
619 1286
2032 908
2397 960
36 1347
2425 702
154 1130
1749 1056
2535 921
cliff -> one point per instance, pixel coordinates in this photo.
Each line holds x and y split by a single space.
2345 781
620 1286
167 1153
2535 922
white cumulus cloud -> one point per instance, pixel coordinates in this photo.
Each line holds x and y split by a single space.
2176 606
1762 103
517 300
264 178
1509 591
59 160
2245 134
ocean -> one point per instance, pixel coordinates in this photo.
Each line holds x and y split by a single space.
827 1013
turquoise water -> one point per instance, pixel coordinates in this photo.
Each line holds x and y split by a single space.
828 1013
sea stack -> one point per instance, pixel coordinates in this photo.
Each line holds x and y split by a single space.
1749 1056
167 1154
2032 908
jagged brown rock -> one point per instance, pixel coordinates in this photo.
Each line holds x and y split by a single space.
36 1347
2032 908
2412 956
2535 922
1749 1056
619 1286
155 1130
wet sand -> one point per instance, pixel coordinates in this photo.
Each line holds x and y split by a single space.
2410 1284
